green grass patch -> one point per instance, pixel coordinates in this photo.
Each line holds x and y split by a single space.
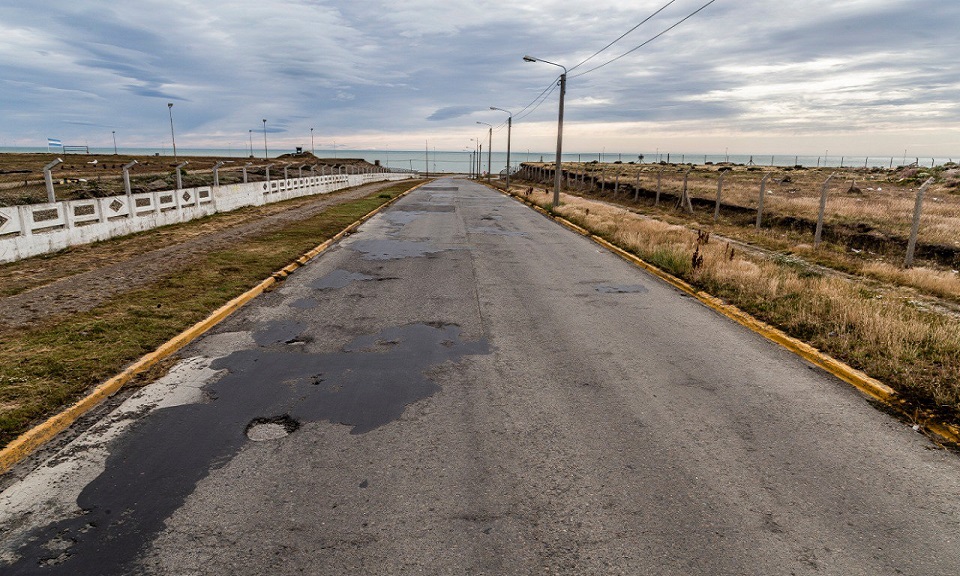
45 367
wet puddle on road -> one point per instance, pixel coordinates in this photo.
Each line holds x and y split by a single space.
265 395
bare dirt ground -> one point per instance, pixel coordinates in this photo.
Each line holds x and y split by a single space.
80 278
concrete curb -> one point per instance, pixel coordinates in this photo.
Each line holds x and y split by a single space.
29 441
867 385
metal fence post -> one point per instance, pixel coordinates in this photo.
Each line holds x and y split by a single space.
716 208
823 207
763 189
915 229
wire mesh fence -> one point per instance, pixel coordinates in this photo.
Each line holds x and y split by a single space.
865 210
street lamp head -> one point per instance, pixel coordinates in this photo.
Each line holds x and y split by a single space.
169 104
529 59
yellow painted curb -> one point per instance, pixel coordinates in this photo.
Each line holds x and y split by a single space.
856 378
29 441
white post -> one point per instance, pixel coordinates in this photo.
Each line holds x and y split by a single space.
126 181
216 173
636 187
48 179
915 229
179 179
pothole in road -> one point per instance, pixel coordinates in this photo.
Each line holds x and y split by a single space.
261 429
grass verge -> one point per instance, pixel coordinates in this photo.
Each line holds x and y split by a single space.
49 365
888 336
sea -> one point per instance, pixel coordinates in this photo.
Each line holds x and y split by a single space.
459 162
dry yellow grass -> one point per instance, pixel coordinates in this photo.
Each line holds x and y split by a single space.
880 200
914 350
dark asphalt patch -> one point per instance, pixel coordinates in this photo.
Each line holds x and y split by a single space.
495 231
620 288
304 304
154 467
339 279
277 332
388 249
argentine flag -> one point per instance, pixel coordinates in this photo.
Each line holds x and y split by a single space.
54 142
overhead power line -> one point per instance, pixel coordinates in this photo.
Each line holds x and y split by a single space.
635 48
622 36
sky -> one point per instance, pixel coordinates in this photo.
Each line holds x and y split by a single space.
855 77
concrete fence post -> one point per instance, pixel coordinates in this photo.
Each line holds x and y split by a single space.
179 178
915 229
216 173
616 186
656 200
636 187
763 189
48 179
126 180
823 208
716 208
245 172
603 181
685 195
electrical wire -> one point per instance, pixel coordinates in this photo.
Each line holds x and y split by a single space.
622 36
635 48
542 100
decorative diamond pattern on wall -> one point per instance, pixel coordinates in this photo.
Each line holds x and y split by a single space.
116 205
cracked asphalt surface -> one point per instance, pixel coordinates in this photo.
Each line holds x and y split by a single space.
464 387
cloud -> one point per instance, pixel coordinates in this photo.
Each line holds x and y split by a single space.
451 112
376 71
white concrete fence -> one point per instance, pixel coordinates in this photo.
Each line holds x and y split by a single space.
35 229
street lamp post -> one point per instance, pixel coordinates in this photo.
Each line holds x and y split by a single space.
489 146
172 137
250 133
563 90
265 154
311 143
114 132
509 129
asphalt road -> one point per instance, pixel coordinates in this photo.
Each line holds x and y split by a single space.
465 387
